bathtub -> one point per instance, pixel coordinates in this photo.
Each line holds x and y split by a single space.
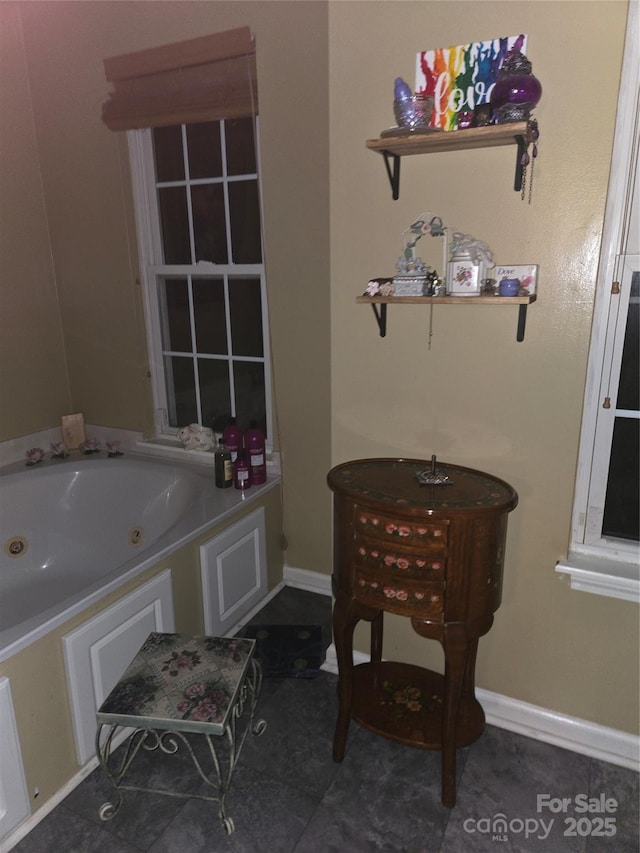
74 530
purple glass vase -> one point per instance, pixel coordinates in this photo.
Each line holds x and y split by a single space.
516 91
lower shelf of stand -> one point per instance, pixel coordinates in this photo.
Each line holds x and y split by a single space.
382 301
380 695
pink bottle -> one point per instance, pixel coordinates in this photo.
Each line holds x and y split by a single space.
255 451
232 435
241 472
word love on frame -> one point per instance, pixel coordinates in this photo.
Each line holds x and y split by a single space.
461 77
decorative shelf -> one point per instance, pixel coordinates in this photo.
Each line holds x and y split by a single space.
393 148
379 305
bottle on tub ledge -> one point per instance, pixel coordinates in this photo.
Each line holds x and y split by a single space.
223 466
232 435
241 472
255 454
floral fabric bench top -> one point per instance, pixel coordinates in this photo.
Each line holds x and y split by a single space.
181 683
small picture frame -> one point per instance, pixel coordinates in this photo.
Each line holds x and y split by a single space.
464 278
73 433
526 273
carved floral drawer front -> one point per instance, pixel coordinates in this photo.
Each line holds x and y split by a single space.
398 561
397 595
414 532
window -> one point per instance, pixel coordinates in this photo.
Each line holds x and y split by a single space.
204 275
604 547
190 109
613 511
609 520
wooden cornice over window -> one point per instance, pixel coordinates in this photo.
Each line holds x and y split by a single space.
203 79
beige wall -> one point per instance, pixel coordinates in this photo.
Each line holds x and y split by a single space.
478 397
33 382
86 190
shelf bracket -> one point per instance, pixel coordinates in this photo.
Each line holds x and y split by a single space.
381 317
522 319
394 174
522 150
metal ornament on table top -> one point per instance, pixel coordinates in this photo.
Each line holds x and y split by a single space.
433 477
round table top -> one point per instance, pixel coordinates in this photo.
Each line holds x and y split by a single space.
399 483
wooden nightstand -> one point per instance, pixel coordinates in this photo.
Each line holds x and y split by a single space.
433 553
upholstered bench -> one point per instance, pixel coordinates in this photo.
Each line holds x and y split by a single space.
178 685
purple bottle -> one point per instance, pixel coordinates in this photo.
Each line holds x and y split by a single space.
255 453
232 435
241 472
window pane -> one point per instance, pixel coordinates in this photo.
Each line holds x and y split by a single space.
181 388
629 388
205 152
244 213
248 378
240 144
215 393
167 144
209 231
245 305
174 314
211 325
175 225
622 504
209 321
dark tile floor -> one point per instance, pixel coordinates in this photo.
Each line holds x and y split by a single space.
288 795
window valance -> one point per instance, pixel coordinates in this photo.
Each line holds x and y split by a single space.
202 79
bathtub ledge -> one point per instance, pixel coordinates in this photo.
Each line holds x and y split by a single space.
172 450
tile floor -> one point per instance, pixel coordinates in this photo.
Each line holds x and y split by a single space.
288 795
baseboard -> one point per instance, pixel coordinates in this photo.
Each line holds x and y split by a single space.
573 733
9 842
311 581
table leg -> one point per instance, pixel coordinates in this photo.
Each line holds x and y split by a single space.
456 653
344 622
376 637
468 685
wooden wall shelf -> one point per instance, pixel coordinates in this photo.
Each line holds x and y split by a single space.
379 306
393 148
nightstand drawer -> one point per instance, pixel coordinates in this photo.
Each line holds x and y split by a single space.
413 533
401 561
404 596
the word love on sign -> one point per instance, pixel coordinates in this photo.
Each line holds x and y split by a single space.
461 77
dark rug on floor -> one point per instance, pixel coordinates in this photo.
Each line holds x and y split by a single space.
288 651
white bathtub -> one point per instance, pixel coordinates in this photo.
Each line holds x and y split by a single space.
74 530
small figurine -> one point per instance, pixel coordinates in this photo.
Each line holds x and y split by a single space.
411 111
196 437
59 450
478 251
34 455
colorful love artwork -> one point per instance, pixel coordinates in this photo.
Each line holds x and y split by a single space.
461 77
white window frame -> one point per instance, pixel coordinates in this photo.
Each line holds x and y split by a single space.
597 564
145 199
